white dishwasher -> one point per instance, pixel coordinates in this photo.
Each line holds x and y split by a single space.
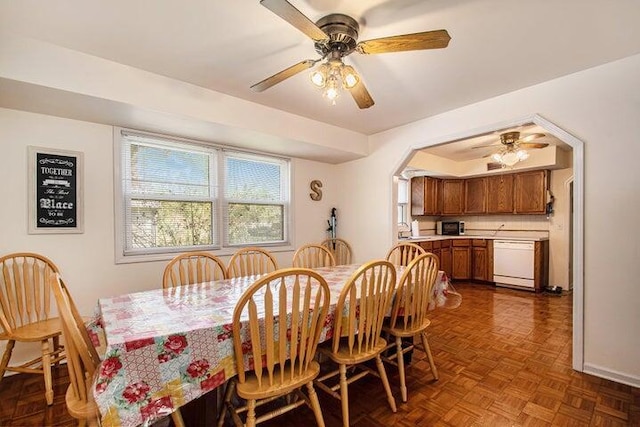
513 263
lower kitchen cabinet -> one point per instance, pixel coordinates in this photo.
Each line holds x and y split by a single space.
482 260
437 251
441 249
464 259
471 259
541 265
446 259
461 263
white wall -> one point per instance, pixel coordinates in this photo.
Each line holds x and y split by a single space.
599 106
87 260
559 229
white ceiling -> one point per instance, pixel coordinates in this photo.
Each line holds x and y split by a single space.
497 46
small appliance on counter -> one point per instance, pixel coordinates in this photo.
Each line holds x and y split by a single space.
450 228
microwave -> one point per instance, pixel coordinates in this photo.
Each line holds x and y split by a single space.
450 228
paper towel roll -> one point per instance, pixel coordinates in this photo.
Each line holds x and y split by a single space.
415 229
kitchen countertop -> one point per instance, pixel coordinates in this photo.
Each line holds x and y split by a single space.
429 238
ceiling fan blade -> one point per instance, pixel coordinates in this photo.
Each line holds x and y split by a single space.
531 137
283 75
532 145
426 40
361 95
293 16
486 146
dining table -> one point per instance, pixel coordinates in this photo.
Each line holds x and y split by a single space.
163 348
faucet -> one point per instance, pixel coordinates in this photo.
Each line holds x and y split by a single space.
401 224
498 229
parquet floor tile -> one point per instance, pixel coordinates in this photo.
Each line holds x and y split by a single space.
504 359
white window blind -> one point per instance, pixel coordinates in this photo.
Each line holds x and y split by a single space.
256 197
170 196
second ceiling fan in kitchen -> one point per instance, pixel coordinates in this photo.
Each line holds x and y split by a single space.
335 36
513 147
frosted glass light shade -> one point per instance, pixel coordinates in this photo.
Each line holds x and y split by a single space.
509 157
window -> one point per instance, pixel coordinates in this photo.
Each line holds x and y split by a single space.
403 201
254 195
170 199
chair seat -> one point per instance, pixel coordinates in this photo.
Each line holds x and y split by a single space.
343 357
409 332
37 331
251 390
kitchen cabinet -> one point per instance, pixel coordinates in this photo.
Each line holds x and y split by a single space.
441 249
482 260
436 250
500 194
475 195
427 246
461 259
530 189
541 265
424 195
432 247
452 196
446 259
516 193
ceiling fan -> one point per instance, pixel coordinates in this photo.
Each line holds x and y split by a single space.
513 148
336 36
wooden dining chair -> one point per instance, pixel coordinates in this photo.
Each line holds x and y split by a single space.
193 267
313 256
251 261
360 311
82 360
340 249
25 314
284 352
403 253
409 314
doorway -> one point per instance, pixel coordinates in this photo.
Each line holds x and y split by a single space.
575 219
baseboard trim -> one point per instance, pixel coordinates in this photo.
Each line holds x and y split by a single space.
608 374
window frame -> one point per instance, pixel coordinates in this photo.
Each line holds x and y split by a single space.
285 189
217 156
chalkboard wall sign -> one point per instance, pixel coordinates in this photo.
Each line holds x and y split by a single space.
55 191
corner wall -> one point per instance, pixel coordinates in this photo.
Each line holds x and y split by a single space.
600 107
87 260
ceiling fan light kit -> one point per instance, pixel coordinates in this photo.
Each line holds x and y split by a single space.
336 36
508 157
512 150
332 75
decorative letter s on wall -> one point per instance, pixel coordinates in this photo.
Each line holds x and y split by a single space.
316 188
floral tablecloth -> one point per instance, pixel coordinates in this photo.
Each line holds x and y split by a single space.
166 347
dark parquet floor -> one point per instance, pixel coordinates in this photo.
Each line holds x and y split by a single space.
504 359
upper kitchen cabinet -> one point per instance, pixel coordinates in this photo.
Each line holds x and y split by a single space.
453 196
425 195
513 193
475 195
531 192
500 194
